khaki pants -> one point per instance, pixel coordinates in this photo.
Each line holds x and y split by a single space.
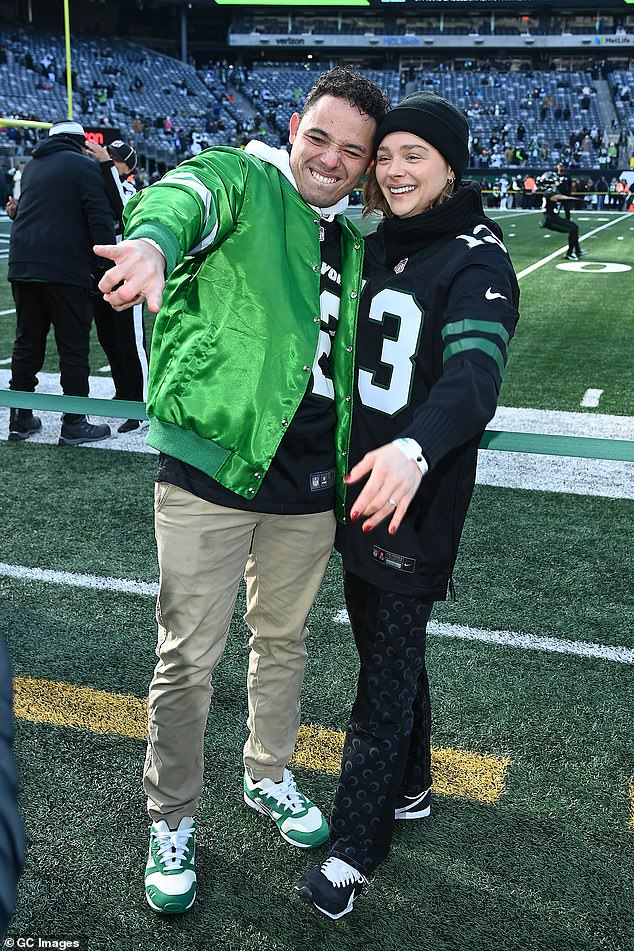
203 552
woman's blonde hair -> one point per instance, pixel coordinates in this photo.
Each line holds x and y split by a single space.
375 200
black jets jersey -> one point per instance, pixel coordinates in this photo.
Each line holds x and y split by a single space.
301 477
432 345
550 204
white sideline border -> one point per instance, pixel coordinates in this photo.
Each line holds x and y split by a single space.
513 470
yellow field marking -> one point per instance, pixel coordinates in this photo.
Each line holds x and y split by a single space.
456 772
468 775
82 708
632 803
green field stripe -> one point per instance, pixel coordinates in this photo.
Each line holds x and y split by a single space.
583 447
473 776
84 405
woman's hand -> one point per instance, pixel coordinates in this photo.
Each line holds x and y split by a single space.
393 483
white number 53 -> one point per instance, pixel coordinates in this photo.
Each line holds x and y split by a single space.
398 352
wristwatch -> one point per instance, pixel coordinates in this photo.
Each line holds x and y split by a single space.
411 449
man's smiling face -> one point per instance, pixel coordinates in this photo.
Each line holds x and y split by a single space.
331 149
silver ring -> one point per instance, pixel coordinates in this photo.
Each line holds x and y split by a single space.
393 502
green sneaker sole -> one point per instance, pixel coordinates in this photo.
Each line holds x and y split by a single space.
170 904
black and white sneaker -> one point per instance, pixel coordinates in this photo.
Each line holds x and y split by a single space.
413 807
571 256
581 252
331 888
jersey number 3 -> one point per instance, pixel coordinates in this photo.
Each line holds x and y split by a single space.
398 352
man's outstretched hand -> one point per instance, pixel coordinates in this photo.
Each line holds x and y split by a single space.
138 274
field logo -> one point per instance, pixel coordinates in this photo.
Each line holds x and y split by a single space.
594 267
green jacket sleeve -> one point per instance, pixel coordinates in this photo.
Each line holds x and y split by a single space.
193 207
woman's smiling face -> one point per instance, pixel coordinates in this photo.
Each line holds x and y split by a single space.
410 172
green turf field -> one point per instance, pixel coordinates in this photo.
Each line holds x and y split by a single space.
535 683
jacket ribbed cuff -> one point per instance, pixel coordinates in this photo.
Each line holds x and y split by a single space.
436 433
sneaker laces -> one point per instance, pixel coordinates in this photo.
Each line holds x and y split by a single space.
172 846
339 873
286 793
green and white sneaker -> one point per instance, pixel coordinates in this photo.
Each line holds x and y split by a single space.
170 873
299 820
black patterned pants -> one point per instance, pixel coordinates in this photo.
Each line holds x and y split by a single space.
387 749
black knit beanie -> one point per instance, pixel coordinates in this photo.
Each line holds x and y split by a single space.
432 118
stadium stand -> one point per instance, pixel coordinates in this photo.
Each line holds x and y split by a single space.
622 84
519 116
115 82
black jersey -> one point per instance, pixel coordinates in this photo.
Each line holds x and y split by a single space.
301 477
432 342
550 204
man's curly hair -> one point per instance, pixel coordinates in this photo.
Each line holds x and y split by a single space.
345 83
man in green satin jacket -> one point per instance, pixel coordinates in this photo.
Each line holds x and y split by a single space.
255 278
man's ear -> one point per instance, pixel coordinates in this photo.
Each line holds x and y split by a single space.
293 127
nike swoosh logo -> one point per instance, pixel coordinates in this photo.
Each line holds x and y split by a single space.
490 294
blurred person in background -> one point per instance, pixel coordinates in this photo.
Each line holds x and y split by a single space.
63 211
602 189
564 187
552 219
122 335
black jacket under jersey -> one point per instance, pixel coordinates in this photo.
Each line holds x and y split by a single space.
432 340
63 210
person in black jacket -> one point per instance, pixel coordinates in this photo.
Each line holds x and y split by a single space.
437 312
122 335
11 830
553 199
63 210
564 187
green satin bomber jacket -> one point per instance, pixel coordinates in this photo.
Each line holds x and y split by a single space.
235 339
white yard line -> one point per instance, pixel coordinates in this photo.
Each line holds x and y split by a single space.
531 642
73 580
568 475
534 642
591 398
551 257
562 423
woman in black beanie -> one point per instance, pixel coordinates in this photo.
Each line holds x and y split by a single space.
435 320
